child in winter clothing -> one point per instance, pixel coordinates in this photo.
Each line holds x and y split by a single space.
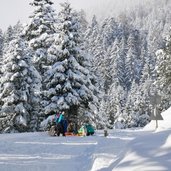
72 128
86 130
61 124
56 118
82 131
90 129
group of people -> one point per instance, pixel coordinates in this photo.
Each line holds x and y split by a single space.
62 126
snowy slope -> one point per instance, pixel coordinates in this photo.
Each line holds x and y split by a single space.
151 152
38 151
122 150
162 124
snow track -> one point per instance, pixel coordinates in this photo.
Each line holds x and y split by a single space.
122 150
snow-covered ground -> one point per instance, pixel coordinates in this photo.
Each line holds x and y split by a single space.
123 150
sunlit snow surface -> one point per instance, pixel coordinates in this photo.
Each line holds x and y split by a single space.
123 150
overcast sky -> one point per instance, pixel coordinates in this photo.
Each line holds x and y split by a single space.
12 11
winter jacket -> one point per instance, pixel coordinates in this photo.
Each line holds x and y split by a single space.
89 128
82 130
64 124
56 119
86 129
61 117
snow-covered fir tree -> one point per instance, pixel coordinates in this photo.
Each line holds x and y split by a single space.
132 56
18 89
1 50
8 35
117 104
68 79
82 19
91 35
1 43
17 29
121 64
39 32
163 65
163 70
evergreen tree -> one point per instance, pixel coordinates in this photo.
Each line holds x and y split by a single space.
1 52
1 43
121 64
138 105
17 29
164 72
39 32
82 19
104 113
68 82
91 36
132 56
163 66
114 51
18 89
8 35
118 101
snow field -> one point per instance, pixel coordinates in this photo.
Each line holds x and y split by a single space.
123 150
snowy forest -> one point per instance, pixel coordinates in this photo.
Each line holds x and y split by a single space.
105 71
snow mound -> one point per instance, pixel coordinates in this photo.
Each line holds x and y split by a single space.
162 124
151 151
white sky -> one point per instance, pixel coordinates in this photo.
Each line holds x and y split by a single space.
13 10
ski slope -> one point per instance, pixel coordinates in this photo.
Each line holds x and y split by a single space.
123 150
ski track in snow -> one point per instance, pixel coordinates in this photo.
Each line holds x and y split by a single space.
38 151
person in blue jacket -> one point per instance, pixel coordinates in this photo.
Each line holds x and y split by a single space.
61 124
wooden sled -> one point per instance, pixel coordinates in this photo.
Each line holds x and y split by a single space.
70 134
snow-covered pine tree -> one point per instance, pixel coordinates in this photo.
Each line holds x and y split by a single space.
39 32
163 66
91 35
138 64
12 33
8 35
82 19
137 108
1 43
104 113
1 51
132 56
18 88
68 82
17 29
129 114
145 86
109 31
114 50
121 64
163 70
117 104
